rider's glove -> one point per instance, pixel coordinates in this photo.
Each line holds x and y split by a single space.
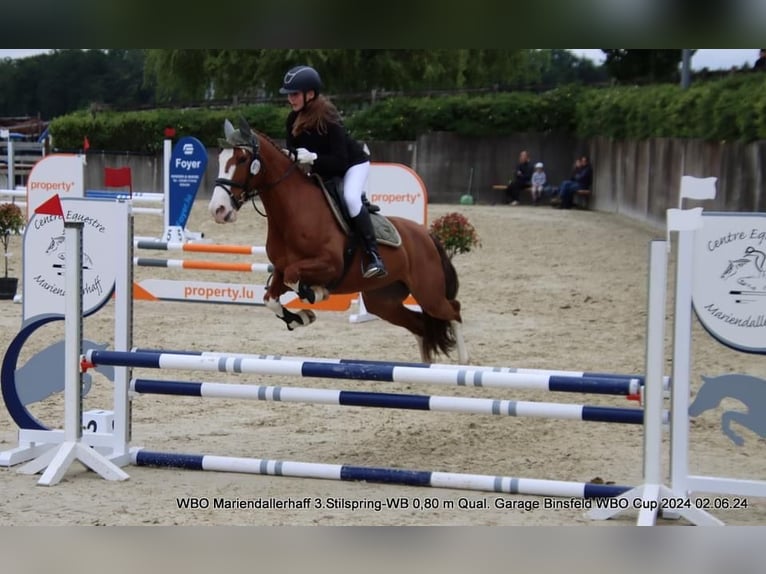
305 156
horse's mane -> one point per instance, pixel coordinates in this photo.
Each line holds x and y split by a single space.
278 148
268 139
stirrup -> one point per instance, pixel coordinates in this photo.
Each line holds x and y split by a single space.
373 271
371 207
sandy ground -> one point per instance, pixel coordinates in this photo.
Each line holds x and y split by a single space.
547 289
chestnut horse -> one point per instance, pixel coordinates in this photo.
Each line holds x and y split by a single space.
306 245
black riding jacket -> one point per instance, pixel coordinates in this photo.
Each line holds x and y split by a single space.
336 150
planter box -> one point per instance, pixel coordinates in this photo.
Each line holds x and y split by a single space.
8 287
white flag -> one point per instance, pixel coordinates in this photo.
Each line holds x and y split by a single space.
698 187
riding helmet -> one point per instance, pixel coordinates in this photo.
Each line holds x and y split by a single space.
301 79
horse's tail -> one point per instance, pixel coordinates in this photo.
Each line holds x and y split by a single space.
438 334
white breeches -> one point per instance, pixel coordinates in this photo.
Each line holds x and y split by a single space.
354 184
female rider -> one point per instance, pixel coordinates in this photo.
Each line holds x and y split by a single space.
316 136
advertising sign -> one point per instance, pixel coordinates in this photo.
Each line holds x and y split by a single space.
188 162
44 254
398 191
55 174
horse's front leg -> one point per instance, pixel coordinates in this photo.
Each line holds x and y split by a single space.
292 319
321 270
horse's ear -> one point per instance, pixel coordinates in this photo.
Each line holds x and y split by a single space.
244 127
228 130
247 133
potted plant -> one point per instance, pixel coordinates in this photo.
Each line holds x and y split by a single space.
456 233
11 223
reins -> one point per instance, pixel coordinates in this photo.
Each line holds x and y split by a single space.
249 193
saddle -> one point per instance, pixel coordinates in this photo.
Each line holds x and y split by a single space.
385 232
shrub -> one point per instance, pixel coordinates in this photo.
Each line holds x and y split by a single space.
456 233
11 223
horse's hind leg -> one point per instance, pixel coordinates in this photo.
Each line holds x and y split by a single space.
432 300
462 348
745 419
389 306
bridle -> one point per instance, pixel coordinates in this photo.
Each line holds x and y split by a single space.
249 192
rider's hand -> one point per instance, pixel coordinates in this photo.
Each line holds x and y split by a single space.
305 156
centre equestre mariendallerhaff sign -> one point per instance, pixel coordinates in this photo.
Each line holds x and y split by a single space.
729 290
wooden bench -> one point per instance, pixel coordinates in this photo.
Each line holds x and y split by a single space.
582 198
499 192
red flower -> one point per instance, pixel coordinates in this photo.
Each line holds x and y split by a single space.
456 233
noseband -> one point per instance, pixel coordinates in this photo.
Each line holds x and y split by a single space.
249 192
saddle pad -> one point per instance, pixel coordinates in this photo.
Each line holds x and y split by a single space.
385 232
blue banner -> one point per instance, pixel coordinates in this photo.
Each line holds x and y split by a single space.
187 166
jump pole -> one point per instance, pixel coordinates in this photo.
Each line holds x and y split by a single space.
348 371
204 265
559 380
380 475
199 247
464 405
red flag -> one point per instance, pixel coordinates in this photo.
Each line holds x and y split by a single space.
86 144
117 177
51 206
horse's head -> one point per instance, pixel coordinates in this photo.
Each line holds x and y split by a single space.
239 168
729 271
246 169
54 244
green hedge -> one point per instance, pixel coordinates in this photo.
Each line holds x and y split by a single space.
486 115
729 109
142 132
733 108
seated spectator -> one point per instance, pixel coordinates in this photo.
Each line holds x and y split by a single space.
582 178
522 179
556 198
539 180
760 63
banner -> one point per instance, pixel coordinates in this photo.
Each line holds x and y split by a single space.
188 163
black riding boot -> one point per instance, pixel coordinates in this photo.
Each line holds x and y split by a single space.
363 228
371 207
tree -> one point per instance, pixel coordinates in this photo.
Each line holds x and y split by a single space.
177 74
63 81
181 74
643 66
564 67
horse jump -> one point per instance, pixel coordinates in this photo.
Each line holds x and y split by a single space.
476 482
479 377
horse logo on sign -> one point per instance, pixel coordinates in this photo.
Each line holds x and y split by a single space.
749 390
749 271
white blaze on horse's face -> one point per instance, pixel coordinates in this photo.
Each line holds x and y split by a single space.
220 205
